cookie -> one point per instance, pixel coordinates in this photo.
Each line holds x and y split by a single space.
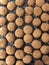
2 62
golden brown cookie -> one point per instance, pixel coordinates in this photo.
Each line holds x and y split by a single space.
37 54
10 37
36 44
3 10
19 33
19 12
29 10
36 22
2 21
11 26
18 43
11 6
28 19
2 54
37 11
19 54
2 42
28 49
10 60
19 2
28 38
11 17
10 50
2 62
19 21
27 59
27 29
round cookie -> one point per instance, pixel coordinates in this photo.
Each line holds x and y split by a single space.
19 33
40 2
19 12
19 2
10 37
37 33
2 62
37 11
37 54
2 54
29 10
36 22
44 26
10 50
19 62
3 31
19 21
11 58
45 37
27 29
2 43
3 10
31 2
2 21
11 17
11 26
28 49
28 38
36 44
18 43
38 62
44 49
19 54
27 59
11 6
28 19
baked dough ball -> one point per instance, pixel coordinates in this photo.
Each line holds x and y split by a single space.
3 2
2 62
45 49
44 26
3 31
45 37
19 62
28 38
11 6
36 44
19 33
36 22
2 54
2 21
10 37
40 2
11 26
28 19
19 12
27 59
37 11
27 29
19 54
19 21
10 60
37 33
19 2
3 10
31 2
37 54
28 49
45 59
10 50
38 62
18 43
44 17
45 7
29 10
2 43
